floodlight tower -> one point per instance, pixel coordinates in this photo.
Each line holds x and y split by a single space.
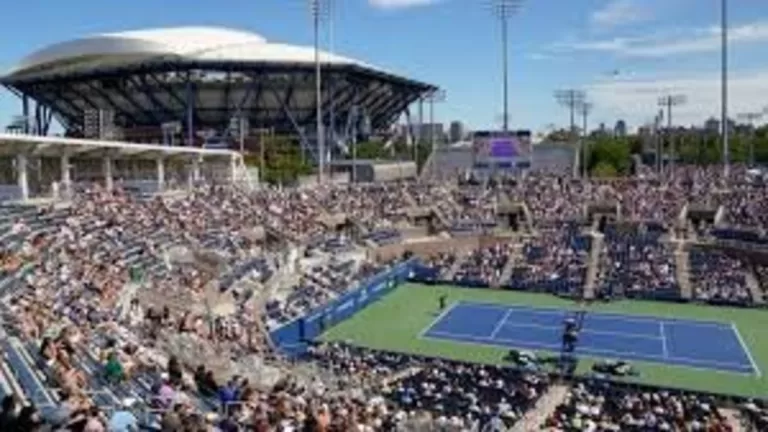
571 99
504 9
584 109
331 11
724 86
668 102
436 96
319 9
751 118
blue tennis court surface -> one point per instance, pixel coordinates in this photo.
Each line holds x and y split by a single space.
700 344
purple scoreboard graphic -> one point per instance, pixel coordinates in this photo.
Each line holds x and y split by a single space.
502 149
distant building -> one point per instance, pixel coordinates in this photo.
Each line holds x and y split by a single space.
620 130
712 125
601 131
425 131
645 130
456 131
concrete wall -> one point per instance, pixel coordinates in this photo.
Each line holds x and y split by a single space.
426 249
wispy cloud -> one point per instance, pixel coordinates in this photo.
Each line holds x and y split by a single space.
619 12
399 4
674 43
539 56
636 99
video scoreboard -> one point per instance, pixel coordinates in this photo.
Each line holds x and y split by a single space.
497 149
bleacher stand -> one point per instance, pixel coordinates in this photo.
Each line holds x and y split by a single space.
554 261
637 264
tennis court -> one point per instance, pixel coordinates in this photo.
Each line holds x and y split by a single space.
691 343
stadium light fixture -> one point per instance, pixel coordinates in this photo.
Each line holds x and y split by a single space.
668 102
319 9
503 10
330 12
750 118
571 99
584 109
436 96
724 86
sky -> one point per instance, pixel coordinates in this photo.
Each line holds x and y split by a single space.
624 53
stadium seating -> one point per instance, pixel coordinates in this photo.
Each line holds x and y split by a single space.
718 278
554 261
638 265
96 312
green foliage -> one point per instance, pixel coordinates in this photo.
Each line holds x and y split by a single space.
372 150
283 161
609 156
603 169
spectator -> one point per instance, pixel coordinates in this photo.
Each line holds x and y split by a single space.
123 420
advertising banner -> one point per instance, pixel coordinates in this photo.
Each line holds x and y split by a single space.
292 337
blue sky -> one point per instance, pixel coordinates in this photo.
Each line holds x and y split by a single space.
658 46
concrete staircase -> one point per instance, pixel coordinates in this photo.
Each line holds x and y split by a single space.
534 419
408 198
441 218
514 257
529 222
593 268
719 216
682 267
753 284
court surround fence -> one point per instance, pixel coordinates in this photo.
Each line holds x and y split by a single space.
292 339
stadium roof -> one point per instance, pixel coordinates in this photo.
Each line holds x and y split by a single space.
12 144
204 77
193 44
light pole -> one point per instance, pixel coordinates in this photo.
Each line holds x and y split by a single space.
657 139
584 109
436 96
751 118
668 102
319 9
504 9
331 4
571 99
724 86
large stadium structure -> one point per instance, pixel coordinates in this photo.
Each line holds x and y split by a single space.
190 85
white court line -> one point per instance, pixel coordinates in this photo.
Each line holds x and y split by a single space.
589 353
663 334
596 314
500 324
585 331
439 318
746 350
594 352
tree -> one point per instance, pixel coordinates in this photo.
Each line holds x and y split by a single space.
371 150
605 152
283 161
604 169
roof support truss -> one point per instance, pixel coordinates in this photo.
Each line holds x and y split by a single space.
141 83
284 104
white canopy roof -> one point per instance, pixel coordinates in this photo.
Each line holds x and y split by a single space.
188 43
12 144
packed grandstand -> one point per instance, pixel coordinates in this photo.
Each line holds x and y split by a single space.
122 311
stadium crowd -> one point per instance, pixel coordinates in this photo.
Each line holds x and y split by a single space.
602 406
96 307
